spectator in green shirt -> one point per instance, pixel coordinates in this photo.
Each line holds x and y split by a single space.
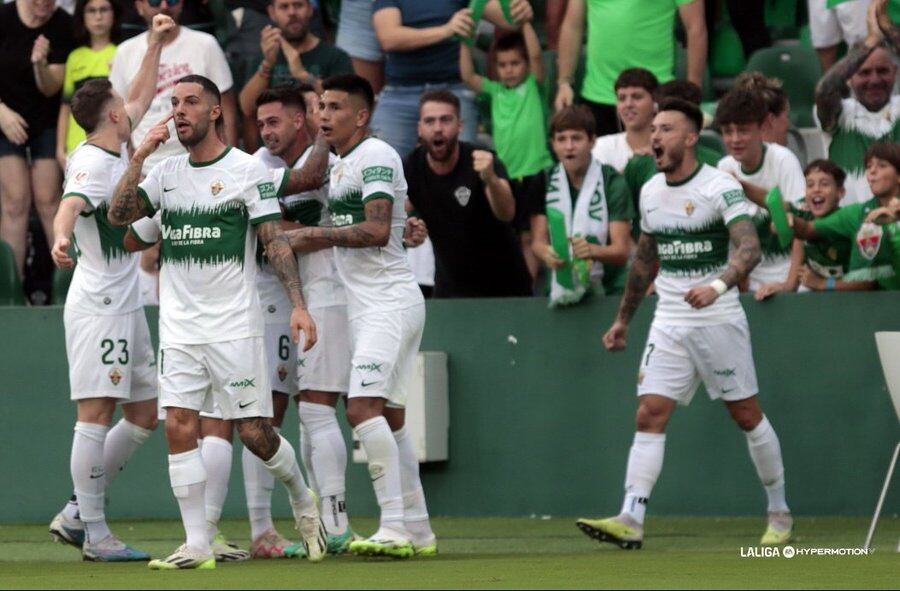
621 35
872 226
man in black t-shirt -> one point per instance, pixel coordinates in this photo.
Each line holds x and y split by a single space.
464 197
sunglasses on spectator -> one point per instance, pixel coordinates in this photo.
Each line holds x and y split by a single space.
98 10
157 3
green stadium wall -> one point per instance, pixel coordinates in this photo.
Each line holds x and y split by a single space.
540 424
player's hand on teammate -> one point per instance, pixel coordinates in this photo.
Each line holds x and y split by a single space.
60 253
581 248
616 337
302 322
162 26
415 232
158 135
701 296
547 254
483 164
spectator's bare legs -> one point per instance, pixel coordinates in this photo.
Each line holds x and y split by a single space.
371 71
46 181
15 202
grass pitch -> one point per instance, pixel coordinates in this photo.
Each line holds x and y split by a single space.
492 553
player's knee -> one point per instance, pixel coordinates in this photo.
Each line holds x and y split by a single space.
746 419
650 419
258 436
181 429
357 414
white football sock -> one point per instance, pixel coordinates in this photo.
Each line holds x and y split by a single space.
328 462
187 475
306 457
283 466
217 455
645 460
89 477
415 511
384 469
122 441
765 451
258 486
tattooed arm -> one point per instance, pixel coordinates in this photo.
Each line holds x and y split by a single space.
312 174
746 255
375 230
640 276
282 260
127 205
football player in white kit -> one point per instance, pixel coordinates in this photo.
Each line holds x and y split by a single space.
108 344
690 214
366 195
214 202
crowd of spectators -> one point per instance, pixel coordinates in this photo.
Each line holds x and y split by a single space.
525 164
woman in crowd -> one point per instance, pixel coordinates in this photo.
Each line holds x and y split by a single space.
35 39
96 28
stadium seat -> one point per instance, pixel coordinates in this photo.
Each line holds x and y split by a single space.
799 70
706 88
781 19
727 55
712 140
11 293
61 280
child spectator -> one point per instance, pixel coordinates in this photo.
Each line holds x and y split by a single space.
635 107
778 119
96 25
590 206
759 166
518 116
872 226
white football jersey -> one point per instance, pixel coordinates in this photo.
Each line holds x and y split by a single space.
208 211
689 221
377 279
106 279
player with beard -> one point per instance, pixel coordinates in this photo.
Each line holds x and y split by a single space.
214 202
367 195
690 212
872 112
465 198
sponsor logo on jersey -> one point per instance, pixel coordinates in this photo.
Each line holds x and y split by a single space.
378 173
216 187
868 239
245 383
733 197
725 373
462 195
189 232
282 372
115 376
376 367
267 190
689 207
81 177
680 248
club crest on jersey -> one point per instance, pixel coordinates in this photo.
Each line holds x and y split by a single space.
115 376
282 372
81 177
689 207
462 194
216 187
868 240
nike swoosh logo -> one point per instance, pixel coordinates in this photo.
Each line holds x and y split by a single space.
651 210
245 404
366 384
724 391
93 477
167 190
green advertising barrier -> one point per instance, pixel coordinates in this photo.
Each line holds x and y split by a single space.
541 417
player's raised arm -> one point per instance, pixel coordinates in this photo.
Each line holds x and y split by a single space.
640 276
375 230
129 203
143 89
284 263
312 174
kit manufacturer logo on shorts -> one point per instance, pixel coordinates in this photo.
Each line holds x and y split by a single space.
245 383
115 376
462 194
216 187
